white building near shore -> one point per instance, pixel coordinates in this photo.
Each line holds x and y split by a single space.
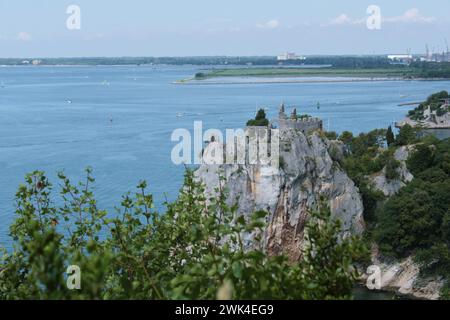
289 56
401 58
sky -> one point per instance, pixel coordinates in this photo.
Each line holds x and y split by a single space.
38 28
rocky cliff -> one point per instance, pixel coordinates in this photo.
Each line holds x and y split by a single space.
391 187
309 171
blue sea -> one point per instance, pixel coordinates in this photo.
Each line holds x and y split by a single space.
119 120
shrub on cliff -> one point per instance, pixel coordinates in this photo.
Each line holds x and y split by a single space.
260 119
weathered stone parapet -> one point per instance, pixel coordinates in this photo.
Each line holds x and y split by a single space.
304 125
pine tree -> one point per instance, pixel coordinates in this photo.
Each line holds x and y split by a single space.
390 138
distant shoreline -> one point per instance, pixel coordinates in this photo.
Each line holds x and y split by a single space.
309 80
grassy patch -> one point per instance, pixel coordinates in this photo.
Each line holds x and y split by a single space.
310 72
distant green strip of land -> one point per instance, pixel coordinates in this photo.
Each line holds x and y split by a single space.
309 72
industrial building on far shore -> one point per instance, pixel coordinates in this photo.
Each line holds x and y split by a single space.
290 56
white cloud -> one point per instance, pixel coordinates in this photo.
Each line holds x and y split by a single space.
411 16
341 19
271 24
24 36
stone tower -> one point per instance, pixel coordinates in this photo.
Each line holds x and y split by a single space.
281 113
294 114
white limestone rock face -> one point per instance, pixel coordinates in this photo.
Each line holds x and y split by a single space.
307 173
403 276
391 187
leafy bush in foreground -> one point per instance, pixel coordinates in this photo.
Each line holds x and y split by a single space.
196 250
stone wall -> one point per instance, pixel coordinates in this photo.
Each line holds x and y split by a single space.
303 125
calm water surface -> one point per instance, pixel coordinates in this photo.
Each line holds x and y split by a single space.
120 120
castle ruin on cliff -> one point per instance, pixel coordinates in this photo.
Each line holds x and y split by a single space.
303 123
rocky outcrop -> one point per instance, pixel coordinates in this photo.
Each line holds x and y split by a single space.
404 277
308 172
390 187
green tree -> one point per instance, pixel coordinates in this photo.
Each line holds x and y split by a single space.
346 137
391 168
407 135
331 135
421 159
390 138
260 119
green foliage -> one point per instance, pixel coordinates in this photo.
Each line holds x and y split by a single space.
434 102
366 155
407 135
441 111
391 168
198 249
260 119
346 137
200 76
421 159
390 138
364 144
303 116
406 221
329 257
417 219
437 97
331 135
371 199
432 69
